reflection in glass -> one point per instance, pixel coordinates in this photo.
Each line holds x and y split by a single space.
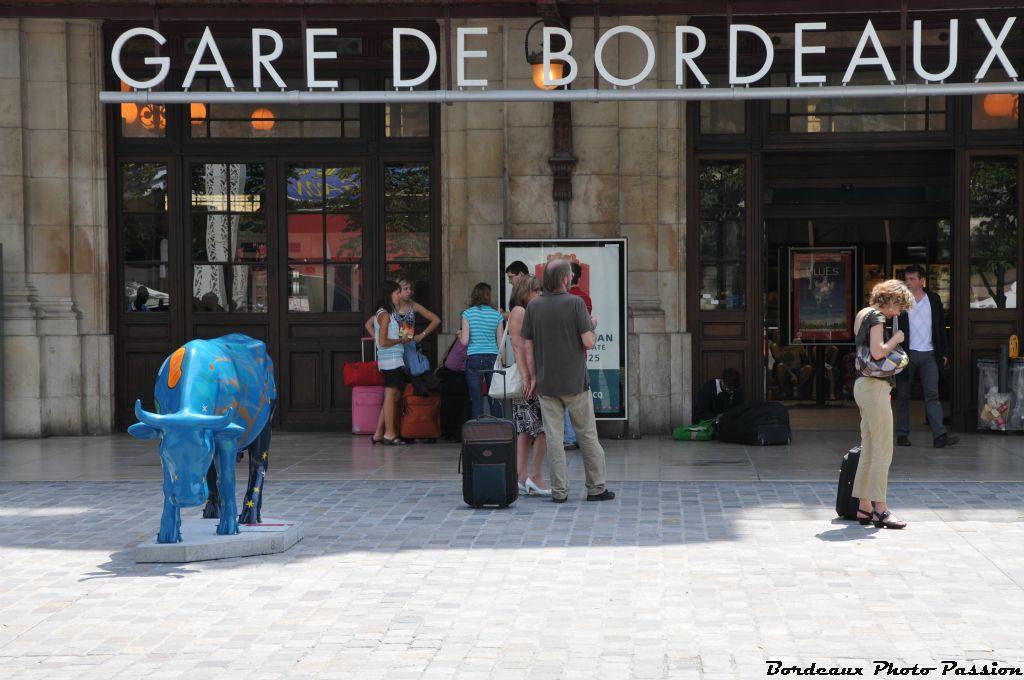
151 277
305 188
306 236
408 236
407 186
143 187
722 117
305 288
993 233
722 287
344 188
343 287
144 237
406 120
344 237
229 288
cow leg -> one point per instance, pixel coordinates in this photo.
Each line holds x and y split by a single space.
259 459
212 508
170 519
224 459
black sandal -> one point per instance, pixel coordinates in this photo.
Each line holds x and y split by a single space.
883 521
397 441
865 521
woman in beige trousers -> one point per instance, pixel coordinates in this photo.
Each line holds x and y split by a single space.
888 299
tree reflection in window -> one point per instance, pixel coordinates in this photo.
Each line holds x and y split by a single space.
407 225
993 229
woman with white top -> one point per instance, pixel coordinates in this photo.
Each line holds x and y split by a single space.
389 338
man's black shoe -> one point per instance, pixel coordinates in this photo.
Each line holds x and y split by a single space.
903 440
605 495
945 439
571 447
555 499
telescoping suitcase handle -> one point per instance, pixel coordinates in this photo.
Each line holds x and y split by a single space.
506 403
362 347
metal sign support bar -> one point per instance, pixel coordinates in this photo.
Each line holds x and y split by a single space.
591 95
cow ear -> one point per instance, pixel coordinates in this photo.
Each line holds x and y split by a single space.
143 431
232 431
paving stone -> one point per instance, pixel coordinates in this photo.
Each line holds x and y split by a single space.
399 579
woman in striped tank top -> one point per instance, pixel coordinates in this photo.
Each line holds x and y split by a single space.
391 361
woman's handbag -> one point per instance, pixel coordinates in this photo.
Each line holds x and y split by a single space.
416 364
887 366
512 385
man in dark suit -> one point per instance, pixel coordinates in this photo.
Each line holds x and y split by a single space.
717 395
924 329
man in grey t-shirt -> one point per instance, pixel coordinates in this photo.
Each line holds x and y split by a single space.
556 329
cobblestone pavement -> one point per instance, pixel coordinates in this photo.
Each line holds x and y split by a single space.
398 579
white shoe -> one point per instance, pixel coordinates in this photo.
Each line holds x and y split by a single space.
534 489
523 490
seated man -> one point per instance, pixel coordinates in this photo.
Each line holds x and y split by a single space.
793 370
717 395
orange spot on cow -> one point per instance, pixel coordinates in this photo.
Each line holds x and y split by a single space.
174 374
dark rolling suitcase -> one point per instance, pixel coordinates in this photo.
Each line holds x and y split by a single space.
755 423
846 503
488 461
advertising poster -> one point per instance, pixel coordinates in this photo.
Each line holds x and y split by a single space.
604 279
822 293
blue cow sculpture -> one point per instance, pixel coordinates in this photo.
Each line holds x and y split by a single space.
214 399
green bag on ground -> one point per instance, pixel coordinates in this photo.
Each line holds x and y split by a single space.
700 431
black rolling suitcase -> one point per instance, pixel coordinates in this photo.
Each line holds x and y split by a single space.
755 423
488 461
846 503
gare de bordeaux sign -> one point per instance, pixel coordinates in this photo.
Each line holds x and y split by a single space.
267 46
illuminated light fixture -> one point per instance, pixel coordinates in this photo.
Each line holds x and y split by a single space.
197 112
1001 105
129 113
262 120
556 69
153 116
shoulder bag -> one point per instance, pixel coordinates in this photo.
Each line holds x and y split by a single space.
511 387
887 366
416 364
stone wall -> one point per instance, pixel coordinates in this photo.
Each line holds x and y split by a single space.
629 181
58 370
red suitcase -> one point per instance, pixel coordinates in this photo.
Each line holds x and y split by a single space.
420 416
363 373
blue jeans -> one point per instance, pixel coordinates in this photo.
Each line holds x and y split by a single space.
570 434
478 382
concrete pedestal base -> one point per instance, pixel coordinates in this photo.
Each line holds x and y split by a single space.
199 541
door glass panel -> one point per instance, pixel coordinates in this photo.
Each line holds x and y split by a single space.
993 240
144 237
305 288
722 186
325 225
228 226
407 225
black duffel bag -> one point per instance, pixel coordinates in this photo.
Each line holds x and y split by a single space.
755 423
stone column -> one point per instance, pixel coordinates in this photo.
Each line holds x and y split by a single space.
52 222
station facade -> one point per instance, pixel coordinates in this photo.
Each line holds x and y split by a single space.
282 220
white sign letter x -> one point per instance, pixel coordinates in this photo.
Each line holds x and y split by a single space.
997 49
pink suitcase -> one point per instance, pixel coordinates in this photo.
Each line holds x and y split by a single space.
366 405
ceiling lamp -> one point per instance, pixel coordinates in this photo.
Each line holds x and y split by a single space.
197 112
1001 105
262 120
556 69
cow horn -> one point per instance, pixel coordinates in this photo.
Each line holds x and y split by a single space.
205 422
154 420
